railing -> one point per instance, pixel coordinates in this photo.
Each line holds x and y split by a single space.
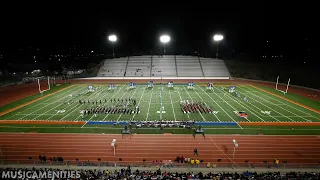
160 164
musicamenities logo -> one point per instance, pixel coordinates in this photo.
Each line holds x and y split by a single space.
19 174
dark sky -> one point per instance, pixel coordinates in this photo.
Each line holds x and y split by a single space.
290 29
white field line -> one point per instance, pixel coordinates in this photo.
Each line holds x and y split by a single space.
101 91
56 107
84 124
61 93
203 100
181 100
104 96
220 106
36 114
278 106
227 103
101 98
140 101
87 98
149 104
283 103
261 110
223 152
203 119
52 103
112 97
174 114
290 116
44 107
128 102
268 106
246 107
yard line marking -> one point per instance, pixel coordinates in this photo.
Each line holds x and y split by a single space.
289 100
192 101
174 114
288 104
140 101
220 106
106 102
279 106
84 124
46 98
128 102
55 107
149 104
203 100
268 106
223 151
41 108
289 116
94 95
117 102
78 106
181 100
233 98
261 110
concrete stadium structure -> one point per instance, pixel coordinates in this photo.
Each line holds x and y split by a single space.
165 66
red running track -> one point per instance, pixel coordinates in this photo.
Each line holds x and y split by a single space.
294 149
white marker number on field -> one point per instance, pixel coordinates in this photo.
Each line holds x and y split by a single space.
215 112
61 111
266 112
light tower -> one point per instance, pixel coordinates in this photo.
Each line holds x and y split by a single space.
113 39
164 39
217 38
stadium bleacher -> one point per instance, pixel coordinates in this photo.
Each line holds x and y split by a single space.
113 67
214 67
163 66
138 66
133 173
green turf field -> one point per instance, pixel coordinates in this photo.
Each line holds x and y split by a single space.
110 129
260 107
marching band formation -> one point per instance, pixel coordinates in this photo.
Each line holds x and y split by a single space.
194 107
120 106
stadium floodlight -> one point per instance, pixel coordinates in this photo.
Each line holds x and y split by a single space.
217 38
164 39
113 39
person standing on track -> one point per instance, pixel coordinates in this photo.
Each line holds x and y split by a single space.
195 151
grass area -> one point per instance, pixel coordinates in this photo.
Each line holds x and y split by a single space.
30 98
295 97
261 107
109 129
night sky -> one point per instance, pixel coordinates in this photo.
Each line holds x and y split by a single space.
254 29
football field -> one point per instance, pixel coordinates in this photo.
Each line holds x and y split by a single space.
260 107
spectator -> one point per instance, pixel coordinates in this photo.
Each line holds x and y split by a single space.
182 159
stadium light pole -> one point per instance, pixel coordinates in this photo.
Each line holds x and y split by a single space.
164 39
217 38
113 39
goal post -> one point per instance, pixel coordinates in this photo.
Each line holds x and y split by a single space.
287 86
39 85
